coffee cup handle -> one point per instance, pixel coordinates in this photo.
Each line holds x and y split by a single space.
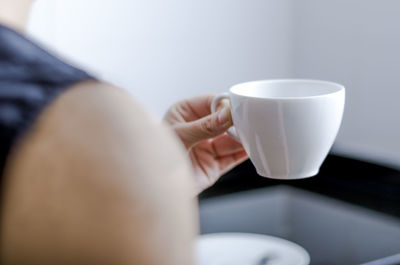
231 131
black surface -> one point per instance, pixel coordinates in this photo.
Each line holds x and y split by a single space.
361 183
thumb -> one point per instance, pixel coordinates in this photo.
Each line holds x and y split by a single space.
205 128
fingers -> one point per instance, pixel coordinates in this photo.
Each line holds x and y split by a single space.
225 145
226 163
200 105
197 107
205 128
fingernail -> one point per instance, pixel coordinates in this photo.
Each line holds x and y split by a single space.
223 116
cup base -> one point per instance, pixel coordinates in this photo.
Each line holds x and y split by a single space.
290 176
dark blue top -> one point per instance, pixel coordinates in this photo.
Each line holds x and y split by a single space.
30 79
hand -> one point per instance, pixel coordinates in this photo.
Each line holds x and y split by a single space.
212 151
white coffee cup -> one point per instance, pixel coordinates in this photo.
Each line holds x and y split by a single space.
288 126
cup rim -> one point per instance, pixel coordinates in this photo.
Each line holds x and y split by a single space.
339 87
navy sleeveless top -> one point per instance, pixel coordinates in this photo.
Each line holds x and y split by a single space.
30 79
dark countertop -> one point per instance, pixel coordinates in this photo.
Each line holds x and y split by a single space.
357 182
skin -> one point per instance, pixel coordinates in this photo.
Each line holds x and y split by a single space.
94 189
89 183
15 13
212 152
98 201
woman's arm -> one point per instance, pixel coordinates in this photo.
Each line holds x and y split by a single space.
97 181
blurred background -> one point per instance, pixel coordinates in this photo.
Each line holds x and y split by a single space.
163 51
166 50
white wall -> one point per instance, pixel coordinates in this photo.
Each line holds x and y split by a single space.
165 50
357 43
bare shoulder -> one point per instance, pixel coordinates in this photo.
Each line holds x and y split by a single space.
95 122
96 174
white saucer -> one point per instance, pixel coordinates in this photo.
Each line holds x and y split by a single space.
248 249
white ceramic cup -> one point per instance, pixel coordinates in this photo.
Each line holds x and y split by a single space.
288 126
